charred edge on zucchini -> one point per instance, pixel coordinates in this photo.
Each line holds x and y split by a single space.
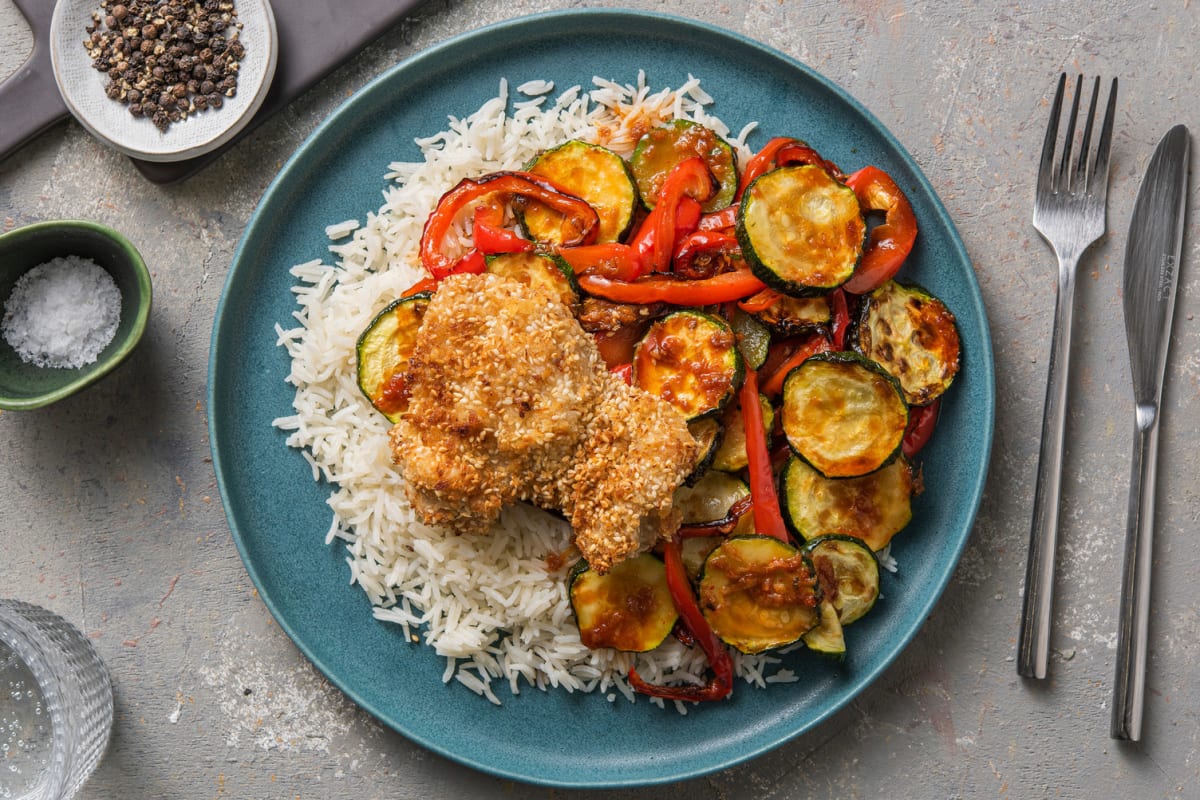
827 638
759 593
848 572
873 508
592 173
539 270
383 350
754 340
843 414
790 316
708 433
801 231
628 608
913 336
691 360
661 148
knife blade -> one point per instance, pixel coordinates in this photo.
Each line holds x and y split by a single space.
1151 276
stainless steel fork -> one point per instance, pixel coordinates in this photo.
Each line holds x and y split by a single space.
1069 211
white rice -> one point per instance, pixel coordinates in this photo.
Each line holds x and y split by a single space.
488 604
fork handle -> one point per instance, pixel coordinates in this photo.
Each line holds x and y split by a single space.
1034 641
1133 619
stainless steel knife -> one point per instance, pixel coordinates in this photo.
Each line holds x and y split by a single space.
1152 257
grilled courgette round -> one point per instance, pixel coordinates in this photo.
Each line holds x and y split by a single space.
731 455
709 500
843 414
791 316
628 608
912 335
383 350
873 508
661 148
592 173
800 230
536 269
848 572
691 360
758 593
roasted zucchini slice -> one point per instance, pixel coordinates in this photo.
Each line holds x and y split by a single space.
661 148
759 593
912 335
843 414
791 316
691 360
535 269
827 638
383 350
592 173
628 608
801 231
848 572
731 455
709 500
873 508
708 433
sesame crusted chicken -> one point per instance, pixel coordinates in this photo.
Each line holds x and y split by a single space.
509 401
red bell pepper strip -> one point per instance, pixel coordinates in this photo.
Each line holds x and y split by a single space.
801 153
687 217
491 237
610 259
839 321
721 683
583 217
782 151
768 519
921 422
624 372
757 303
689 178
817 343
718 527
723 220
708 244
721 288
892 240
423 285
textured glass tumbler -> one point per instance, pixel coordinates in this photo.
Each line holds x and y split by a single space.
49 669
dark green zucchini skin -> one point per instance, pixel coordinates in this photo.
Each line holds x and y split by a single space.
843 414
592 173
801 231
912 335
690 359
382 352
661 148
708 433
848 571
792 316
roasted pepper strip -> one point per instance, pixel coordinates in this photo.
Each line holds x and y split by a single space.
689 178
721 683
921 422
514 184
782 151
891 241
817 343
768 519
721 288
839 322
760 302
714 249
687 217
610 259
490 235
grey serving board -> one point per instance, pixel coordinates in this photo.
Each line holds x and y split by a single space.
315 36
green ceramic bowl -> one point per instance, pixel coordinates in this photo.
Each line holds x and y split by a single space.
26 386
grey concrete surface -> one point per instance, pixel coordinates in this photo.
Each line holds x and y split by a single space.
109 512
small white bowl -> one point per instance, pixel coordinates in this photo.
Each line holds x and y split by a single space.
82 87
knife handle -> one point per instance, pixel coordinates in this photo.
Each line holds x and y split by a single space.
1133 621
1033 645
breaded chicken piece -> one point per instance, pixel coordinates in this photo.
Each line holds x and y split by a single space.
509 401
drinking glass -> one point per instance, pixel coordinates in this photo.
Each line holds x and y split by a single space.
56 706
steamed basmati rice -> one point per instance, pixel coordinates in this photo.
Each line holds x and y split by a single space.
489 605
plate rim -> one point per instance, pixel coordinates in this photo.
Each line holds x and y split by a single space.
983 372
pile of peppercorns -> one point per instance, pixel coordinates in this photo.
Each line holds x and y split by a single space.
167 59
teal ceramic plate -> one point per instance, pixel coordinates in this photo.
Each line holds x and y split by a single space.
278 514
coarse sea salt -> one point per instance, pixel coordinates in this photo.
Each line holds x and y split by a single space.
62 313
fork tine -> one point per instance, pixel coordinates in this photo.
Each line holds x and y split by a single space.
1085 164
1064 165
1098 177
1045 181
